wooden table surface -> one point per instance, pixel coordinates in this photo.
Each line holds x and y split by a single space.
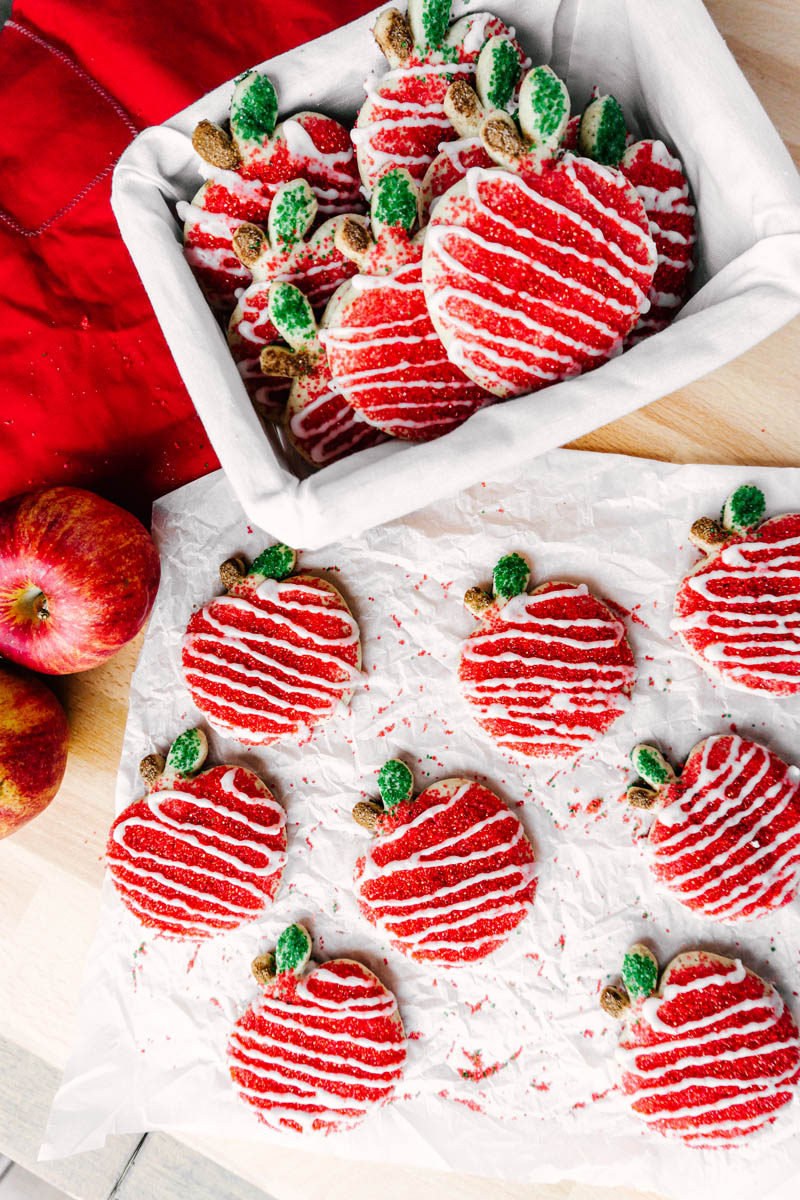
50 872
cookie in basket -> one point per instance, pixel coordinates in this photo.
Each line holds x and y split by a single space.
291 251
204 851
402 122
725 839
738 611
319 422
321 1047
450 874
535 269
246 166
276 655
383 352
548 671
711 1055
661 183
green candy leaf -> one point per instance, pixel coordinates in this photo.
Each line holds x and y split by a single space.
394 202
188 752
639 972
293 950
429 20
603 132
744 508
651 766
254 108
291 314
497 72
543 108
395 783
276 562
511 576
291 214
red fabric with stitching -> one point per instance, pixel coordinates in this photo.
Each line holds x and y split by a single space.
89 393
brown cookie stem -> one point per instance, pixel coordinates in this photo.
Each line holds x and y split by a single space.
462 106
248 243
353 240
641 797
151 767
214 145
707 534
291 364
366 813
614 1002
232 571
477 601
501 138
393 34
263 968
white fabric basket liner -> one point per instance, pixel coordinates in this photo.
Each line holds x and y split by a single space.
674 76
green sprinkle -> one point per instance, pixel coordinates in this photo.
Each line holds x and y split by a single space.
547 105
744 508
639 972
504 73
291 313
433 18
395 783
188 751
394 200
603 133
652 766
511 576
276 562
291 213
293 950
254 108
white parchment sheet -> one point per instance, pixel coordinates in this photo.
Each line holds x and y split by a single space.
676 80
510 1062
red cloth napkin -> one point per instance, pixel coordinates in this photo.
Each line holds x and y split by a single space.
89 393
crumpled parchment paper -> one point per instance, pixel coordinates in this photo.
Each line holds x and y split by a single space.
510 1063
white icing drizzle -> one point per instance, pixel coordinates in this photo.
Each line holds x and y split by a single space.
295 686
197 907
703 1119
746 647
440 921
528 699
303 1063
728 826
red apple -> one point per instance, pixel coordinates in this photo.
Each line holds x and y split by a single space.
33 747
78 577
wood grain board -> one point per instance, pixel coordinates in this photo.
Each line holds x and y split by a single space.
50 872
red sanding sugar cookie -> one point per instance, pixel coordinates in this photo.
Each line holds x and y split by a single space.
319 422
536 272
738 611
384 355
244 169
319 1047
290 252
548 671
712 1056
275 656
449 875
726 836
402 122
204 852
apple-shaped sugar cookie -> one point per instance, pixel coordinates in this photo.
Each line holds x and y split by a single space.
402 122
34 737
204 851
738 611
246 167
549 670
450 874
662 185
319 422
725 839
383 352
290 252
711 1055
276 655
536 269
321 1046
78 577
